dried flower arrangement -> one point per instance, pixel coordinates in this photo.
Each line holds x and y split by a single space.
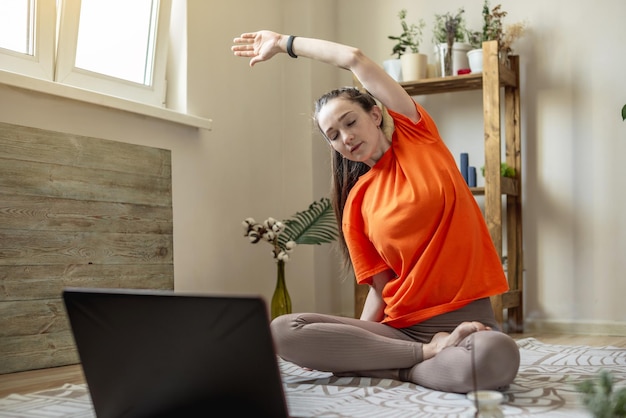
449 28
512 32
316 225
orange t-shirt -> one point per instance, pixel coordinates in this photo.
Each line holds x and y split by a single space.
413 213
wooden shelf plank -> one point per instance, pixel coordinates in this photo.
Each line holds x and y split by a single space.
444 84
508 186
511 299
456 83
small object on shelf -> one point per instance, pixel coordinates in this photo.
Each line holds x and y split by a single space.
393 67
465 166
451 62
471 177
463 71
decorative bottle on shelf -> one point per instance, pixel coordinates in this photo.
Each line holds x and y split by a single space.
281 302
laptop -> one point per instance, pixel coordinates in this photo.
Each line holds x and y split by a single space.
165 354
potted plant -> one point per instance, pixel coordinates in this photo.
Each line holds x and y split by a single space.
475 55
450 46
414 64
493 30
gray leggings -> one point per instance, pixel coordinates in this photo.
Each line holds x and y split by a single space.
349 346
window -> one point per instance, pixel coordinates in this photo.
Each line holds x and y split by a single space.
116 47
18 28
27 33
130 39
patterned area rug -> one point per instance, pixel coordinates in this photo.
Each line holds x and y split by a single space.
543 387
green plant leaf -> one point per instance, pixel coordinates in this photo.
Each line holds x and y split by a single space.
620 403
410 38
600 398
316 225
624 113
505 170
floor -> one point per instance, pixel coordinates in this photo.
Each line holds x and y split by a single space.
35 380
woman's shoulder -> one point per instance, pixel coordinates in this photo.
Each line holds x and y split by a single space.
424 124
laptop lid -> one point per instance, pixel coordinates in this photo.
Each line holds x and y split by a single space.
161 354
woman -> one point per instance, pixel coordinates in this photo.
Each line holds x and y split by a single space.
413 232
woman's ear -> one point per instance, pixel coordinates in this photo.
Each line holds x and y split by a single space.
387 123
377 115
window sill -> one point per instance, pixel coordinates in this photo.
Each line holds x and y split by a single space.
73 93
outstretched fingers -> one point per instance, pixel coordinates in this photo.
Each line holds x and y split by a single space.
243 44
243 51
258 46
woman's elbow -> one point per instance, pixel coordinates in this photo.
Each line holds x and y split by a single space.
354 58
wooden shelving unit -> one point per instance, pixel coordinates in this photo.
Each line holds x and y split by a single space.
495 76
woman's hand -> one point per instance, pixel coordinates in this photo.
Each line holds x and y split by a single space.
258 46
374 307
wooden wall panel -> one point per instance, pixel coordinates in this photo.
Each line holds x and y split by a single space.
74 212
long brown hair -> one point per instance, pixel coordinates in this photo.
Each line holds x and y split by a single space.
345 173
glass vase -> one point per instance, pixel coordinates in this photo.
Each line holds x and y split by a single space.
447 61
281 302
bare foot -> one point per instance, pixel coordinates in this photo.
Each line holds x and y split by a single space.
443 340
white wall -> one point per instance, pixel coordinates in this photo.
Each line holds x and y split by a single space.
264 149
263 158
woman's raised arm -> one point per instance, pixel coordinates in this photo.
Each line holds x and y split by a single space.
263 45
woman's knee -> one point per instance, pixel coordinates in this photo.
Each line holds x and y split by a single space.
287 332
281 326
496 359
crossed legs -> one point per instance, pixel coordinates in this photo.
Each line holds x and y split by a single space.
449 361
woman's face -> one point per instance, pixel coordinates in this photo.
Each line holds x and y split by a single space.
352 131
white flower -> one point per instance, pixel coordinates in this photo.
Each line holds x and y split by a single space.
282 256
278 227
269 222
269 231
254 237
269 236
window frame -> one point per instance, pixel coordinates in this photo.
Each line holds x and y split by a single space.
66 73
41 63
35 82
